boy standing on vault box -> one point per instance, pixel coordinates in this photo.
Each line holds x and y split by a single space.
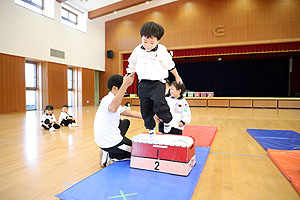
151 61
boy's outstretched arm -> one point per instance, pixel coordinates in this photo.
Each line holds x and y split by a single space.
177 77
130 113
116 102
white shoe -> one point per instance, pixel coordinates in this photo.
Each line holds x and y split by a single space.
167 128
74 125
151 132
52 129
105 159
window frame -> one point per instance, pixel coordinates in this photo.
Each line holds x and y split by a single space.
33 88
34 4
68 19
71 89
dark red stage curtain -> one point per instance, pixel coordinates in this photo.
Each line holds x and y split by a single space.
133 88
243 49
229 53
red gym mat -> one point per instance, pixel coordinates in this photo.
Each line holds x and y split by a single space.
204 135
289 164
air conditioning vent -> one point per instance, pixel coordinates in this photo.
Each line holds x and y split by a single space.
57 53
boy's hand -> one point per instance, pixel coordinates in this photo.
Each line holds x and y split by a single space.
128 80
179 80
157 119
180 124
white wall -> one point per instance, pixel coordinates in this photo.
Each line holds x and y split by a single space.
31 35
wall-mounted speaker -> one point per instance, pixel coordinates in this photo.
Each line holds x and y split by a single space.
109 53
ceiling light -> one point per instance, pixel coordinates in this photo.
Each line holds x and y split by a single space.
115 12
147 2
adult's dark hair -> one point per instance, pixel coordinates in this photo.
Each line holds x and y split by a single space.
49 107
65 106
179 86
114 80
150 29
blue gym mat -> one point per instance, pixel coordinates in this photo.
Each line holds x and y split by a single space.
119 181
276 139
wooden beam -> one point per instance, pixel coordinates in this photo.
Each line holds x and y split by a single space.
114 7
61 1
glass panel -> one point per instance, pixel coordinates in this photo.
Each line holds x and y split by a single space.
70 79
38 2
70 98
30 99
73 18
30 75
64 13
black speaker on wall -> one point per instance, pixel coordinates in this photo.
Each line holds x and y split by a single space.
109 53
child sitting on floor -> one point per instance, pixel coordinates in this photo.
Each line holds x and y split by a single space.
65 119
48 119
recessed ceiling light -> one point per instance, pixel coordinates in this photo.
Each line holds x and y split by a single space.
147 2
115 12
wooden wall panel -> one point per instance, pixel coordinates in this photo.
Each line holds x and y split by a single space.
218 103
288 104
55 89
190 24
264 104
12 84
241 103
197 102
88 87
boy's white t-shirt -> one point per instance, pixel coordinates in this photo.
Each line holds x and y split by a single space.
50 117
150 65
63 116
106 124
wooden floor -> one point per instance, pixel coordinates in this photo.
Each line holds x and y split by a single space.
37 164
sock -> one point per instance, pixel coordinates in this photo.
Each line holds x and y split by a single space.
167 128
151 132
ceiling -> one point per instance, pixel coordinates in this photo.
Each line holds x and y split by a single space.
90 5
100 8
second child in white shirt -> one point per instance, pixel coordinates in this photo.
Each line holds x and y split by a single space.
179 108
65 119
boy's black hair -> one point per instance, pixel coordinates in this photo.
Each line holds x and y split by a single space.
179 86
49 107
150 29
65 106
114 80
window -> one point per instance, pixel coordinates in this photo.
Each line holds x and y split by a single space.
70 88
36 3
31 85
68 16
43 7
73 17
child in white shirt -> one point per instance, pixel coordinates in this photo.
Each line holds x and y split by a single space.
179 108
65 119
127 105
48 120
152 63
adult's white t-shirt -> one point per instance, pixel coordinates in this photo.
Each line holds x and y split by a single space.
106 124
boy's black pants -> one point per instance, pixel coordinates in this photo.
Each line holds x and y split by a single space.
152 100
66 122
47 121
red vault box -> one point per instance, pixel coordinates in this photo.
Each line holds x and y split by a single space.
164 147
